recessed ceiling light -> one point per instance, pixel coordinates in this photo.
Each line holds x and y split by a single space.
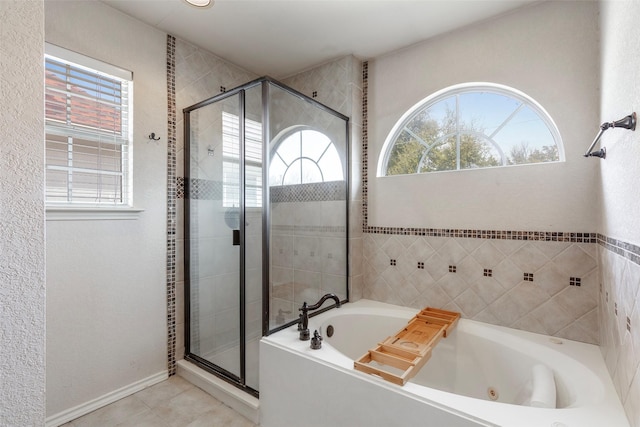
201 4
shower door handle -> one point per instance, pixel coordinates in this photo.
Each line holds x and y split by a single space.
236 237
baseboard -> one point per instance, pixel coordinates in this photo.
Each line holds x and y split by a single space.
90 406
243 403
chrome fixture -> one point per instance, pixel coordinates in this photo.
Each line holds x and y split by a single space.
303 326
628 122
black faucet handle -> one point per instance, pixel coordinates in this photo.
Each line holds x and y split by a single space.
316 341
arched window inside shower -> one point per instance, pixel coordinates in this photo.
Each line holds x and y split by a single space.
266 224
304 156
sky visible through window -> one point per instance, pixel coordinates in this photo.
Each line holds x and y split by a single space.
304 157
471 127
488 111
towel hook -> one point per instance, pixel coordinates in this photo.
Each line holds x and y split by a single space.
627 122
152 137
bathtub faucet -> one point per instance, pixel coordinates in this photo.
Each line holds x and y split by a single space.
303 326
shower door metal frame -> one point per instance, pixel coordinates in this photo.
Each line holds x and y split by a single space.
239 381
267 201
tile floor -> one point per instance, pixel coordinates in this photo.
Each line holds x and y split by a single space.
171 403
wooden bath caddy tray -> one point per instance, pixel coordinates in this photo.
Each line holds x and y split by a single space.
400 357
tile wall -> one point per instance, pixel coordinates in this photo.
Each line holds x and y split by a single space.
548 287
193 75
338 85
619 311
308 250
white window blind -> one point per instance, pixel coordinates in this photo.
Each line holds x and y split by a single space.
231 162
87 123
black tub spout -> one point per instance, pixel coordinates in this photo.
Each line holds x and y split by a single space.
303 326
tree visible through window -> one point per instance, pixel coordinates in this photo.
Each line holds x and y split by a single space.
471 126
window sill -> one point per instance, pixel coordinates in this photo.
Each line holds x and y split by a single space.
55 213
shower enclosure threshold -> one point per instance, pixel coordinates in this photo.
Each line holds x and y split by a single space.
241 402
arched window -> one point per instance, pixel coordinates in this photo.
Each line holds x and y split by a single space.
305 156
469 126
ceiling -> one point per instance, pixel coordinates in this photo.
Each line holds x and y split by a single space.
279 38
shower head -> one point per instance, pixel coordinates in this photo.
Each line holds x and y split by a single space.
627 122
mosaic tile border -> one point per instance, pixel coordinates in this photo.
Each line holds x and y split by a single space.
310 228
548 236
172 194
624 249
314 192
203 189
365 146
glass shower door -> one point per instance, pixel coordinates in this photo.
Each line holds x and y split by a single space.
216 232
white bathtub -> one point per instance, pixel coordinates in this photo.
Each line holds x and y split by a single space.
300 386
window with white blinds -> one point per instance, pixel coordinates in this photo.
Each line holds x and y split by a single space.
87 125
231 162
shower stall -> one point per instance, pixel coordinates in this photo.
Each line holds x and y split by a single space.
266 220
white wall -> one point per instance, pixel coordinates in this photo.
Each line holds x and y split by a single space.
550 52
620 96
620 262
22 257
107 298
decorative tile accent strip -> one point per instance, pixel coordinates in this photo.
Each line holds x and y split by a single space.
627 250
548 236
628 324
314 192
171 204
180 187
365 145
309 228
203 189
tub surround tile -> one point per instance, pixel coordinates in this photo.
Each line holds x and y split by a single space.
456 273
619 300
631 405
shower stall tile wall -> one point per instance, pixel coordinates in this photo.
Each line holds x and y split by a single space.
198 75
338 85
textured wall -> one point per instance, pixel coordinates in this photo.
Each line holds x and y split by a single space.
550 52
22 267
620 222
106 293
